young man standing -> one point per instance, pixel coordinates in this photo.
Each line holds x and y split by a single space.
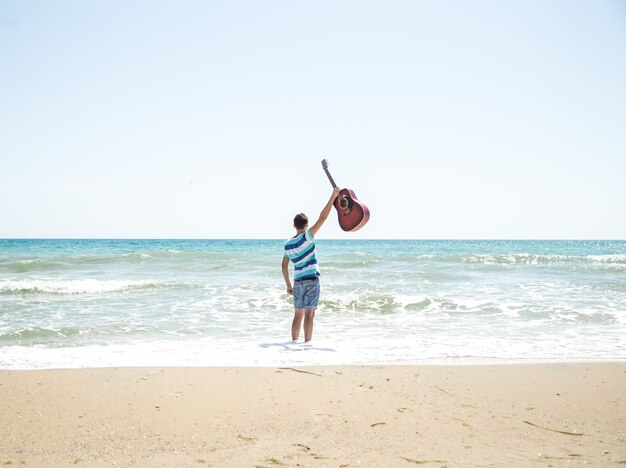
300 249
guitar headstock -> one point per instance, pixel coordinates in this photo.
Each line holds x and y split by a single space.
325 167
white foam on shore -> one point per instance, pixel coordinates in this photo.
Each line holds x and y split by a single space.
368 349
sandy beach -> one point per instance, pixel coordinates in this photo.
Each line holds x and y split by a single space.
505 415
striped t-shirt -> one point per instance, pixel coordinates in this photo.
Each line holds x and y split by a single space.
301 251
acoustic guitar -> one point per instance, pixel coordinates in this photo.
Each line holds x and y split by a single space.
352 213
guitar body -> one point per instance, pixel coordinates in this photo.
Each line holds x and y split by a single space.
352 213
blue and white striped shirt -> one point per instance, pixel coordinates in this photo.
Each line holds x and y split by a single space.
301 251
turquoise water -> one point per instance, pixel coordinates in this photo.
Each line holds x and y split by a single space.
85 303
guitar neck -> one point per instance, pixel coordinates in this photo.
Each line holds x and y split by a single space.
330 177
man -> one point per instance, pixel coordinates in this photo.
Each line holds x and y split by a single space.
300 249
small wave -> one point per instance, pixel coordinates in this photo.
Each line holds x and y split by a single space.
80 286
133 257
345 265
28 265
619 259
160 255
63 262
598 262
472 308
138 256
521 259
378 303
382 303
37 335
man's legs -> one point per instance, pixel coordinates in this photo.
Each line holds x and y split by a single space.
297 324
305 296
309 315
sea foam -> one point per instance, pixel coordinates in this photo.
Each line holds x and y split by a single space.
80 286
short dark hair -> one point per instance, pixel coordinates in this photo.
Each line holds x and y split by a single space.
300 221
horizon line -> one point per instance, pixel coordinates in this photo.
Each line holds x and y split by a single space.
322 239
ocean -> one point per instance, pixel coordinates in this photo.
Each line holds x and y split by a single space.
110 303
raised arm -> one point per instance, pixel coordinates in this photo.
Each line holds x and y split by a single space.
325 212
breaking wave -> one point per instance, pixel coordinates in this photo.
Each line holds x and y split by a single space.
78 286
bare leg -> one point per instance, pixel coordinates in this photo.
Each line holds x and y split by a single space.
309 315
296 324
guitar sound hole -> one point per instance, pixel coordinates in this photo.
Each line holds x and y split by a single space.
343 203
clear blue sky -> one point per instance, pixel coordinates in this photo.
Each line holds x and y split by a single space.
207 119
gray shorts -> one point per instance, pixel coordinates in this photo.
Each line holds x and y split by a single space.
306 294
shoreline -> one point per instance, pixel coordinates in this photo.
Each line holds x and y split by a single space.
538 414
452 363
437 362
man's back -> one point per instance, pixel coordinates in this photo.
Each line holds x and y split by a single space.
301 251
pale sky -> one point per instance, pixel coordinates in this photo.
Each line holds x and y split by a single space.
209 119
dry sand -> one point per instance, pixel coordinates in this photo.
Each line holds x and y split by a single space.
508 415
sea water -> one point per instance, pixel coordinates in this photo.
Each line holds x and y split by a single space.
92 303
